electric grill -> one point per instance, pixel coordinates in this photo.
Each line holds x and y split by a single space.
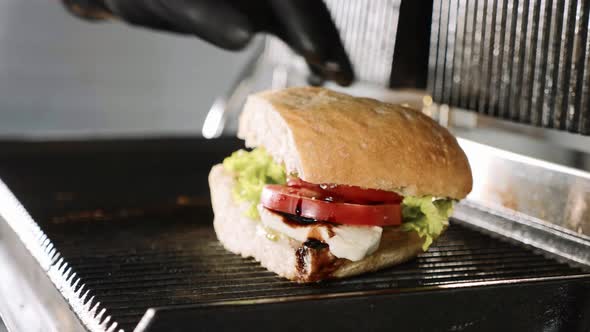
123 231
113 235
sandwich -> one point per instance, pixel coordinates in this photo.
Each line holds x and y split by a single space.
334 186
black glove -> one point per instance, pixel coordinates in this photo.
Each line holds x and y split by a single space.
305 25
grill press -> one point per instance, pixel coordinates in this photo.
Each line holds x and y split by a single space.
123 231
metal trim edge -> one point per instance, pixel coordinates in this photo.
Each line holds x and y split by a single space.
89 311
550 239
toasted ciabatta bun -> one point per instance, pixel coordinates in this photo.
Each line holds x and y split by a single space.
330 137
290 258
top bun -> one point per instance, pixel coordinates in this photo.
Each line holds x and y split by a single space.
330 137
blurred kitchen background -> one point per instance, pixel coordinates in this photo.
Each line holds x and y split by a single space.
60 76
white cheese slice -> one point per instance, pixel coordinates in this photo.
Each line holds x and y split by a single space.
354 242
345 241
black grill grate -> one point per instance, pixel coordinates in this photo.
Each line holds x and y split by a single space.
132 265
155 247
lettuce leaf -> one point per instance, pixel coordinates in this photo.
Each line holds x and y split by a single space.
253 169
426 216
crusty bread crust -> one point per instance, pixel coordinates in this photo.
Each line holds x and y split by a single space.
238 233
330 137
290 258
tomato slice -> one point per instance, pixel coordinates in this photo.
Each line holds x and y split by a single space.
310 203
350 194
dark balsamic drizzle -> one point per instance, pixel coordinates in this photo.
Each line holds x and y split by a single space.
315 264
297 220
300 255
315 244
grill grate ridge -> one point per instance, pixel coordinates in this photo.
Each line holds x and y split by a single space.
176 272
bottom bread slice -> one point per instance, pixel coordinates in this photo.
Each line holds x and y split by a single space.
290 258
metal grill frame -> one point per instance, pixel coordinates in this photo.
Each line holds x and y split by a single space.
531 67
95 316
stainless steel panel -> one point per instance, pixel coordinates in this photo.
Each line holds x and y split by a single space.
449 54
29 301
368 31
551 194
478 40
528 231
521 32
532 66
34 279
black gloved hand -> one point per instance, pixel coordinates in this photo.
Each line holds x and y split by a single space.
305 25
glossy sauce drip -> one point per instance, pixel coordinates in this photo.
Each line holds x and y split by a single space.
300 255
315 244
296 221
315 264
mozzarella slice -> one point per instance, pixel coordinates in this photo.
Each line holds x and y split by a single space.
354 242
345 241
